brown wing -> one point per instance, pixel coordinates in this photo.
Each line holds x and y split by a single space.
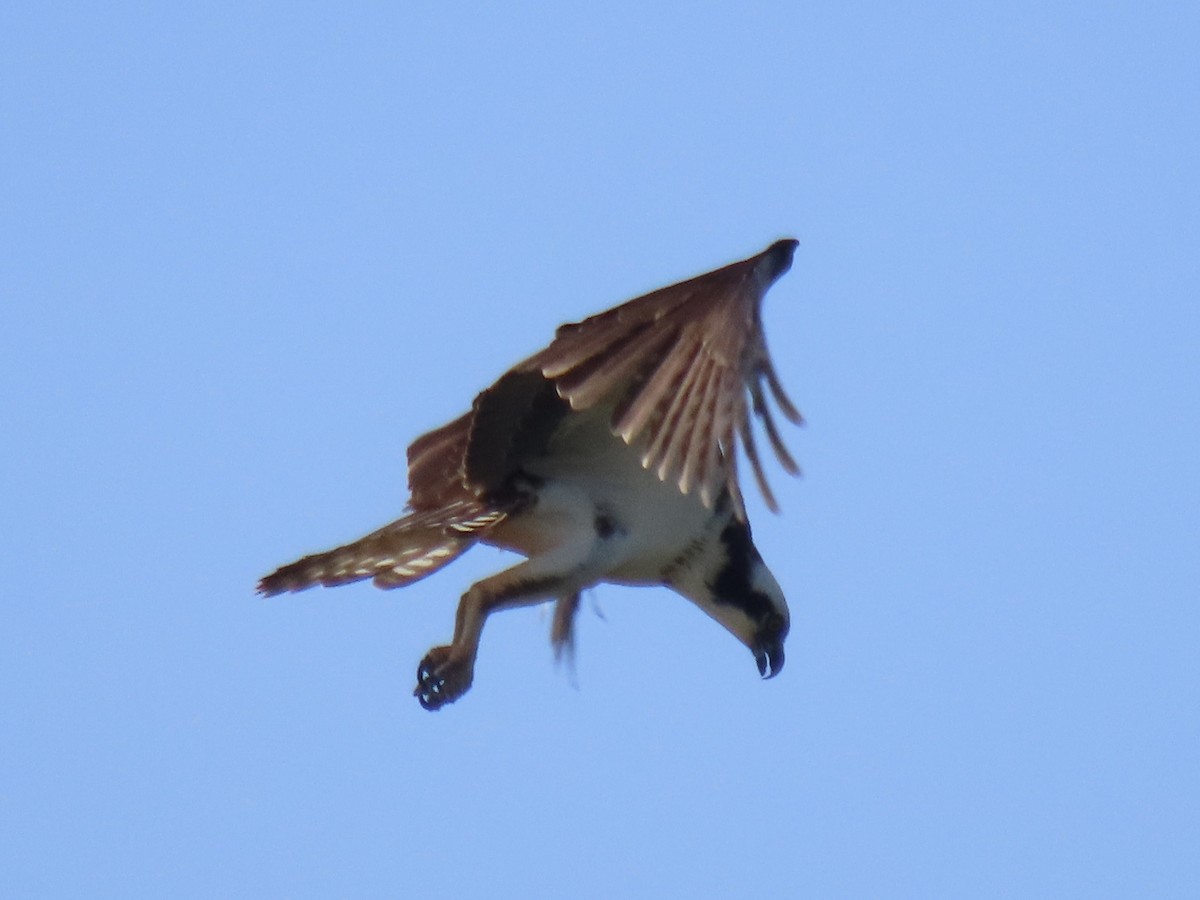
396 555
473 457
684 367
435 466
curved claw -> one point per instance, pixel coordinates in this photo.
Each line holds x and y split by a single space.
441 679
429 688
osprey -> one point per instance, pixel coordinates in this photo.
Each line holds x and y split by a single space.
609 456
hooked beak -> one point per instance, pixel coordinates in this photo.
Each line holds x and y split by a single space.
769 657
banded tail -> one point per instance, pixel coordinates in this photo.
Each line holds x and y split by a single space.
396 555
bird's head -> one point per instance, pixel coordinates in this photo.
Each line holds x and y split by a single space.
737 589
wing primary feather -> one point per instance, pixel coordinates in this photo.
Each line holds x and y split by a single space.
764 413
777 391
747 434
716 472
674 406
648 398
700 437
593 379
603 350
571 340
674 430
735 491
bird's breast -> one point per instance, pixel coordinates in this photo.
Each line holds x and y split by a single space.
591 482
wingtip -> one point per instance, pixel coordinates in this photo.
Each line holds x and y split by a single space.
777 259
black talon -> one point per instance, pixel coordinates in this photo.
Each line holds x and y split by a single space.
428 697
440 679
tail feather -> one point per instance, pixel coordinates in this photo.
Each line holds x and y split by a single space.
396 555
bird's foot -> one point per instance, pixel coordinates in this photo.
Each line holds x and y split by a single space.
442 678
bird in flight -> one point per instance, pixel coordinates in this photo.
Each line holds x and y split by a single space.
609 456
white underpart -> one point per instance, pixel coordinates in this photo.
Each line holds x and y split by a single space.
590 472
571 553
596 472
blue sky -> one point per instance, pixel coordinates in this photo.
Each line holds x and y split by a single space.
249 251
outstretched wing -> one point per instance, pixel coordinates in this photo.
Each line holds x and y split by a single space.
396 555
684 367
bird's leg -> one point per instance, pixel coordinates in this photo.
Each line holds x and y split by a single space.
579 544
446 672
